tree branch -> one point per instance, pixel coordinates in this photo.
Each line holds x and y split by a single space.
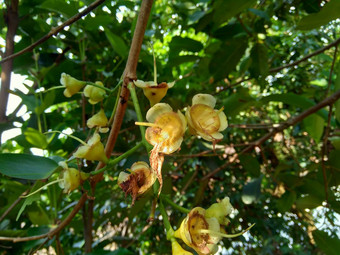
54 231
55 30
292 121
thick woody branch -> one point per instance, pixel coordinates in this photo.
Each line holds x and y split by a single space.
54 231
55 30
291 122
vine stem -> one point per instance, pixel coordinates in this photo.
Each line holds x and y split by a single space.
168 228
173 204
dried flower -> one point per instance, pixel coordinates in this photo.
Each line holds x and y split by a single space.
98 120
203 120
93 150
178 250
141 178
202 229
71 178
72 85
95 94
153 91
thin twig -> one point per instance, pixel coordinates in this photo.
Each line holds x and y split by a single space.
13 205
54 231
55 30
292 121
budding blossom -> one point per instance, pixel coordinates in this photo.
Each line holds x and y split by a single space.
93 150
203 120
202 229
141 178
153 91
72 85
95 94
71 178
99 120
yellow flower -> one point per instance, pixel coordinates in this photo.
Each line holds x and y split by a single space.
202 229
71 178
177 249
203 120
95 94
72 85
98 120
93 150
166 128
153 91
141 178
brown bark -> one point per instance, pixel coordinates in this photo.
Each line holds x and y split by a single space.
12 21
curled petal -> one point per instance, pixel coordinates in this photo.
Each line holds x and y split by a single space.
157 110
72 85
98 120
223 121
206 99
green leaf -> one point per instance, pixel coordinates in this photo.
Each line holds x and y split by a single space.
120 251
329 245
335 140
250 164
328 13
29 200
259 60
252 191
226 9
25 166
227 57
36 138
47 102
179 44
62 7
117 43
285 202
309 202
336 88
237 102
314 125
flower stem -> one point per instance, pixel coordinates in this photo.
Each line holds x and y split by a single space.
168 228
173 204
134 97
46 185
115 161
72 136
98 86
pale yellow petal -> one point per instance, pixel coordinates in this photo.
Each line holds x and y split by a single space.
144 84
139 165
204 99
223 121
157 110
183 119
122 177
171 84
214 225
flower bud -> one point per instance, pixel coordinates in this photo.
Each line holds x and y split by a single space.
71 179
98 120
93 150
72 85
95 94
153 91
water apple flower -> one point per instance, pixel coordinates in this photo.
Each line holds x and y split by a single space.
99 120
154 91
95 94
93 150
166 128
203 120
202 229
72 85
140 179
71 178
